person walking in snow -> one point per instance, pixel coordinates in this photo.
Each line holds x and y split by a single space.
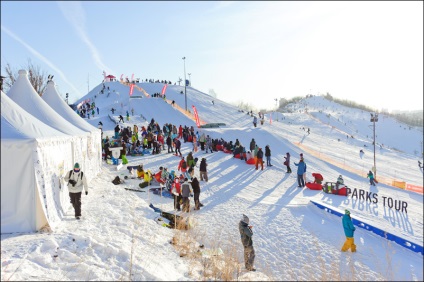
349 229
76 182
252 145
177 147
246 234
287 162
255 121
301 168
196 193
268 155
371 177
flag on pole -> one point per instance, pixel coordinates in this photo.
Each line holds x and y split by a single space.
196 116
164 89
131 89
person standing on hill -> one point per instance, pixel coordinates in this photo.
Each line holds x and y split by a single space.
371 177
301 167
252 145
203 171
76 182
259 158
287 162
177 143
186 189
196 193
246 234
349 229
255 121
268 155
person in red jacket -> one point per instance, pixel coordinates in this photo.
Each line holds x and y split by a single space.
180 132
176 191
182 166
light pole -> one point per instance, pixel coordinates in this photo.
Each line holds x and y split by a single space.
374 119
185 85
189 78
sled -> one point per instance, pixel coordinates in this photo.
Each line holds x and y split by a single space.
227 151
251 161
219 147
237 156
165 193
330 188
313 186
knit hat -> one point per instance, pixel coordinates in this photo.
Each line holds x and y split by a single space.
245 219
76 165
347 212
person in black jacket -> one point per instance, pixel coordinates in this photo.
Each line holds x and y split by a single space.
169 144
196 193
203 171
268 155
246 234
259 158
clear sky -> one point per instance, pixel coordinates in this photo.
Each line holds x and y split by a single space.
368 52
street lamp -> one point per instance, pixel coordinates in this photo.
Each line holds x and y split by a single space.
185 85
374 119
189 78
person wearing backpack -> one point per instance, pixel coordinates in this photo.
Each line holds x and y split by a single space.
182 166
76 182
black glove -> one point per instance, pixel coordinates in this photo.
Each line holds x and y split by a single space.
86 192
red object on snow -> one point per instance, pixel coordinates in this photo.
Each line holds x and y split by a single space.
219 147
110 76
251 161
318 176
313 186
227 151
342 192
157 176
237 156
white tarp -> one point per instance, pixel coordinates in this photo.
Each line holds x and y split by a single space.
92 163
33 158
25 96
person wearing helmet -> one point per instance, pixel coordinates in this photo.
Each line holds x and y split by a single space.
349 229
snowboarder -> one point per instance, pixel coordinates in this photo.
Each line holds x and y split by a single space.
349 229
76 182
246 234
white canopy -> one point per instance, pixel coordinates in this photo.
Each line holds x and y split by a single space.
30 152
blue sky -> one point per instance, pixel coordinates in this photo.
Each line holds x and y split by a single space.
368 52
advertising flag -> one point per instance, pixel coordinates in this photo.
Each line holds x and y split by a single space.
164 89
132 77
196 116
131 89
121 76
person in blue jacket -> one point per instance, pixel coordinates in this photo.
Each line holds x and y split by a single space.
301 169
349 229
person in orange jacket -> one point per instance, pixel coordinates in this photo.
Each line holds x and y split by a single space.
182 165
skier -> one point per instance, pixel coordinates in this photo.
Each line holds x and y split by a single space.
246 234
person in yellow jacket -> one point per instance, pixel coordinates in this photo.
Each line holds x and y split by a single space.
140 172
148 176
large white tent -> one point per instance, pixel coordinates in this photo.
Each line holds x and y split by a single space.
33 159
93 161
25 96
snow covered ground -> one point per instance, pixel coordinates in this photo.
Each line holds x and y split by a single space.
119 239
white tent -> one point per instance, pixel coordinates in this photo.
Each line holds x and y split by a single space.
33 157
25 96
94 150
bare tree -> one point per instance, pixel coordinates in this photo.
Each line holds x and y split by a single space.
36 76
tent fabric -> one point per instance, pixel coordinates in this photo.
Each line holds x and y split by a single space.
33 159
92 159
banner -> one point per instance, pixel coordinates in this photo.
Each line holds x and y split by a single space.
121 76
196 116
164 89
132 77
131 89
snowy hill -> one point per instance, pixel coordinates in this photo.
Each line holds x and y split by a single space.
118 238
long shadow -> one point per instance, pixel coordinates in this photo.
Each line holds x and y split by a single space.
285 199
269 191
